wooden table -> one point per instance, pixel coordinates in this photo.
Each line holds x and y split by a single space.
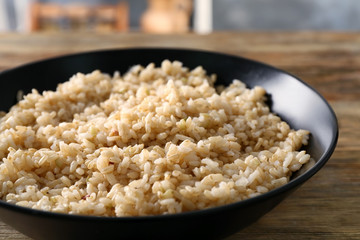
327 206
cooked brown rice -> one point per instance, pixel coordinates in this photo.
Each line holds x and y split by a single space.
157 140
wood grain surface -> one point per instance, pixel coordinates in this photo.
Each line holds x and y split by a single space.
327 206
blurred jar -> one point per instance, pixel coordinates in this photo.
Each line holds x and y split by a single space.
167 16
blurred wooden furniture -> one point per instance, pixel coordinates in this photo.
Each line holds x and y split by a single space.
325 207
52 16
167 16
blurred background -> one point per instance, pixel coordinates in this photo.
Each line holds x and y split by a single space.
178 16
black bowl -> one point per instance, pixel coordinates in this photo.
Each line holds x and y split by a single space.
292 99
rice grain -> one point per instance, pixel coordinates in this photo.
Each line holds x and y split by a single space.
157 140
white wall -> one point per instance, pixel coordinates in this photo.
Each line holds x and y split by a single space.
4 23
286 14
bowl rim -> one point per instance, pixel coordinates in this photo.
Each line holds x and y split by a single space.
292 184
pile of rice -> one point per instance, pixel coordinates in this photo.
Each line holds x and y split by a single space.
157 140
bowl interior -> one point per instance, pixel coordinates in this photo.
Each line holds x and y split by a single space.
292 99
